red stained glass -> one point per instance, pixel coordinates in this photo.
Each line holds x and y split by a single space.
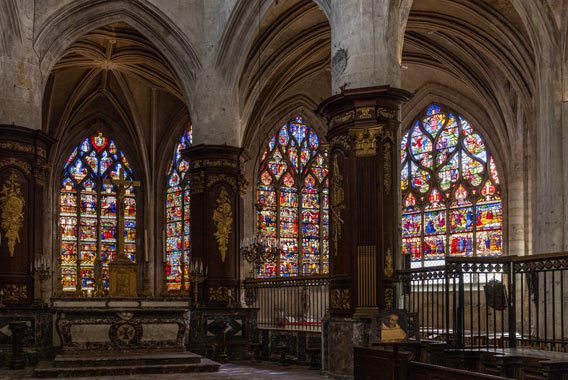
88 213
178 221
292 183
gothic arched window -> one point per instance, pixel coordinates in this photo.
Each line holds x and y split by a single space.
451 198
177 219
88 214
293 201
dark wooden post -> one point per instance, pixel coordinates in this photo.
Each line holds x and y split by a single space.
23 177
216 182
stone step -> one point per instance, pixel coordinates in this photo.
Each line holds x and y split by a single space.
48 369
126 359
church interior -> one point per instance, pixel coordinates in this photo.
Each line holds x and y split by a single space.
348 189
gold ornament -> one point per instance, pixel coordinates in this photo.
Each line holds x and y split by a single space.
12 206
341 299
337 203
387 167
389 264
223 219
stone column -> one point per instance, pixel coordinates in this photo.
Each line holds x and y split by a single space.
215 178
20 76
363 119
23 176
363 137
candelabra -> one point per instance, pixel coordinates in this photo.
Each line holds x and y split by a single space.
41 275
197 275
260 249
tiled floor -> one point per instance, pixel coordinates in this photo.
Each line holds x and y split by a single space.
237 371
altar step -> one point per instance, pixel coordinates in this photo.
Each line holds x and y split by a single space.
124 364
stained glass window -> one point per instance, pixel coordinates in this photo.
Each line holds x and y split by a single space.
88 214
451 198
293 200
177 219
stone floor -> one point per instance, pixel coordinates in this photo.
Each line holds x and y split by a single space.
237 371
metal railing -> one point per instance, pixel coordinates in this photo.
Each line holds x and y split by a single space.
292 304
491 302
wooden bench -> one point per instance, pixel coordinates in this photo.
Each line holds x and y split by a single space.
423 371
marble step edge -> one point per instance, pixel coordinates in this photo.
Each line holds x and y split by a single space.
132 358
44 370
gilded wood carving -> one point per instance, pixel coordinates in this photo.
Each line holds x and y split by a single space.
223 219
387 166
341 299
389 264
12 207
337 203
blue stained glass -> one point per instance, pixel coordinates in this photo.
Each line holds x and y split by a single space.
283 137
465 200
295 147
93 205
85 146
314 141
178 219
71 157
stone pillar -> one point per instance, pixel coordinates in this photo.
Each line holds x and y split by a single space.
20 76
364 138
23 176
216 206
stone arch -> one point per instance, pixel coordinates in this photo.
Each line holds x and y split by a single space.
240 32
74 20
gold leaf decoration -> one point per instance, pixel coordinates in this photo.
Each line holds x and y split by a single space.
341 299
337 203
389 264
223 219
12 207
387 167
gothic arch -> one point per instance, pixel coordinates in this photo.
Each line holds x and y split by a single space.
74 20
240 33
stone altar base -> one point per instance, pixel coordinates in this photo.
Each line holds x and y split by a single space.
122 337
121 325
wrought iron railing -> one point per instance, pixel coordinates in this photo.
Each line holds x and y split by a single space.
294 304
491 302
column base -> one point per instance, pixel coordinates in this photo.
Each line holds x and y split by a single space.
344 335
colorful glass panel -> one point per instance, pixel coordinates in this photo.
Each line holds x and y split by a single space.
293 198
178 221
88 214
450 187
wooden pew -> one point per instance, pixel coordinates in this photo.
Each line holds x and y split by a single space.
423 371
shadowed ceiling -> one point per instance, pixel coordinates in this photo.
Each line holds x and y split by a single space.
115 72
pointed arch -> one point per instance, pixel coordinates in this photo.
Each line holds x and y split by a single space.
178 219
451 190
293 201
73 20
88 215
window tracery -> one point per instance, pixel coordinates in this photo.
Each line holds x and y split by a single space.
450 190
293 201
88 214
178 195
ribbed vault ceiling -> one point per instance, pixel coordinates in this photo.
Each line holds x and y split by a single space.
113 69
